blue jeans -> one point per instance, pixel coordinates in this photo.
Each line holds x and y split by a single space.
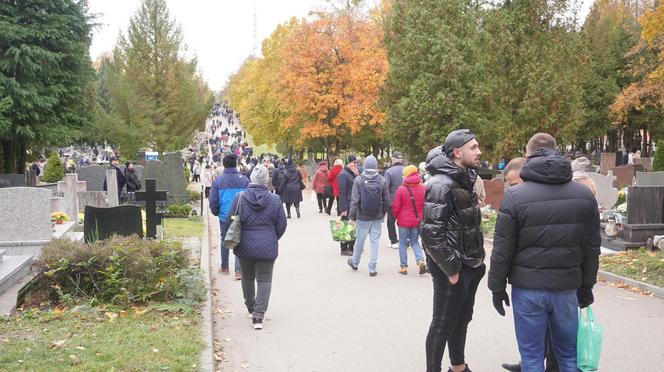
409 235
533 310
225 252
362 230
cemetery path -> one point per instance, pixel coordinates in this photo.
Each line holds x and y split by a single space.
324 317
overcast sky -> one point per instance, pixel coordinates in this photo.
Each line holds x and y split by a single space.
218 32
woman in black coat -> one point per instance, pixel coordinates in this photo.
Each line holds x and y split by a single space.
132 182
291 188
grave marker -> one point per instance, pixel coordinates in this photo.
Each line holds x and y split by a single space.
649 178
101 223
494 189
607 195
624 176
151 196
112 187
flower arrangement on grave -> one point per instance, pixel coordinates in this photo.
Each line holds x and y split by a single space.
59 217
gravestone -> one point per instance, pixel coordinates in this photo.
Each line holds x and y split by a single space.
141 157
169 175
607 195
70 188
112 187
607 162
26 214
645 213
102 223
150 196
624 176
93 175
494 189
91 198
645 162
649 178
12 180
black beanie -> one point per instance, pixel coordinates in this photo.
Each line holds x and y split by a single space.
230 161
350 158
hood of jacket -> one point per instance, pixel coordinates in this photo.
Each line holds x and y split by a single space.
547 166
439 163
413 179
257 196
370 173
323 168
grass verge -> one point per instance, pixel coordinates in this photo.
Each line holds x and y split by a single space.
159 337
183 227
638 264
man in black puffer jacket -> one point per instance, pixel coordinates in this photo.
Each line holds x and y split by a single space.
547 243
454 245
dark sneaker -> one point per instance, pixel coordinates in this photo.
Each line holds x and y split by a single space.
512 367
373 273
258 324
350 263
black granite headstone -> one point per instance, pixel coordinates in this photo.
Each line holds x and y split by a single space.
12 180
151 196
101 223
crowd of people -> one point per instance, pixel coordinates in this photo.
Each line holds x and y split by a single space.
546 242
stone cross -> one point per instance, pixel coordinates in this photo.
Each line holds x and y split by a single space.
69 189
151 196
112 188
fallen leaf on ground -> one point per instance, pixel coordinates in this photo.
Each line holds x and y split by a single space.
80 347
57 344
122 313
75 360
59 310
139 310
155 350
217 357
5 339
244 366
111 316
227 339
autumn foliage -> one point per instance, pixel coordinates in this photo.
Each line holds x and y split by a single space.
318 80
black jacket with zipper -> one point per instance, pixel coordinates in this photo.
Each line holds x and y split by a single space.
547 231
451 233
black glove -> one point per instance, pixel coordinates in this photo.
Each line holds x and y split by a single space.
498 299
585 296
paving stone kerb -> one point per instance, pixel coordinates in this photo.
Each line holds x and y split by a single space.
611 277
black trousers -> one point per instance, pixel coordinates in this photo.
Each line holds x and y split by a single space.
452 311
329 205
207 192
322 202
288 206
391 228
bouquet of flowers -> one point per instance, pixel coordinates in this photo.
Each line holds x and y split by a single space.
59 217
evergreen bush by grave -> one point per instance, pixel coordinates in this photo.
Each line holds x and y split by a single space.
119 271
658 161
178 210
53 171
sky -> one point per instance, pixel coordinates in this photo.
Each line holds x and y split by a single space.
218 32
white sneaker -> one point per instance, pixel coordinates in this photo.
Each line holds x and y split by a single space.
394 245
258 324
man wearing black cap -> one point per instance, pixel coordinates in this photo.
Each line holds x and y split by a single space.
454 245
222 193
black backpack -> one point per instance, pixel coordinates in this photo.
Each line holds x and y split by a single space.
371 195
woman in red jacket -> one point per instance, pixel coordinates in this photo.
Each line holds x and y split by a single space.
407 209
318 185
332 181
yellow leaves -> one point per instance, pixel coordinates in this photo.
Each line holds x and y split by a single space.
111 316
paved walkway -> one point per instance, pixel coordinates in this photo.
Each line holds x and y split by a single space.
324 317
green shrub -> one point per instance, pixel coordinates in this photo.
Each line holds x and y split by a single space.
178 210
194 195
187 174
118 271
53 171
658 161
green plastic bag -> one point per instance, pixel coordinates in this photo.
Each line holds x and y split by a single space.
342 231
589 339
